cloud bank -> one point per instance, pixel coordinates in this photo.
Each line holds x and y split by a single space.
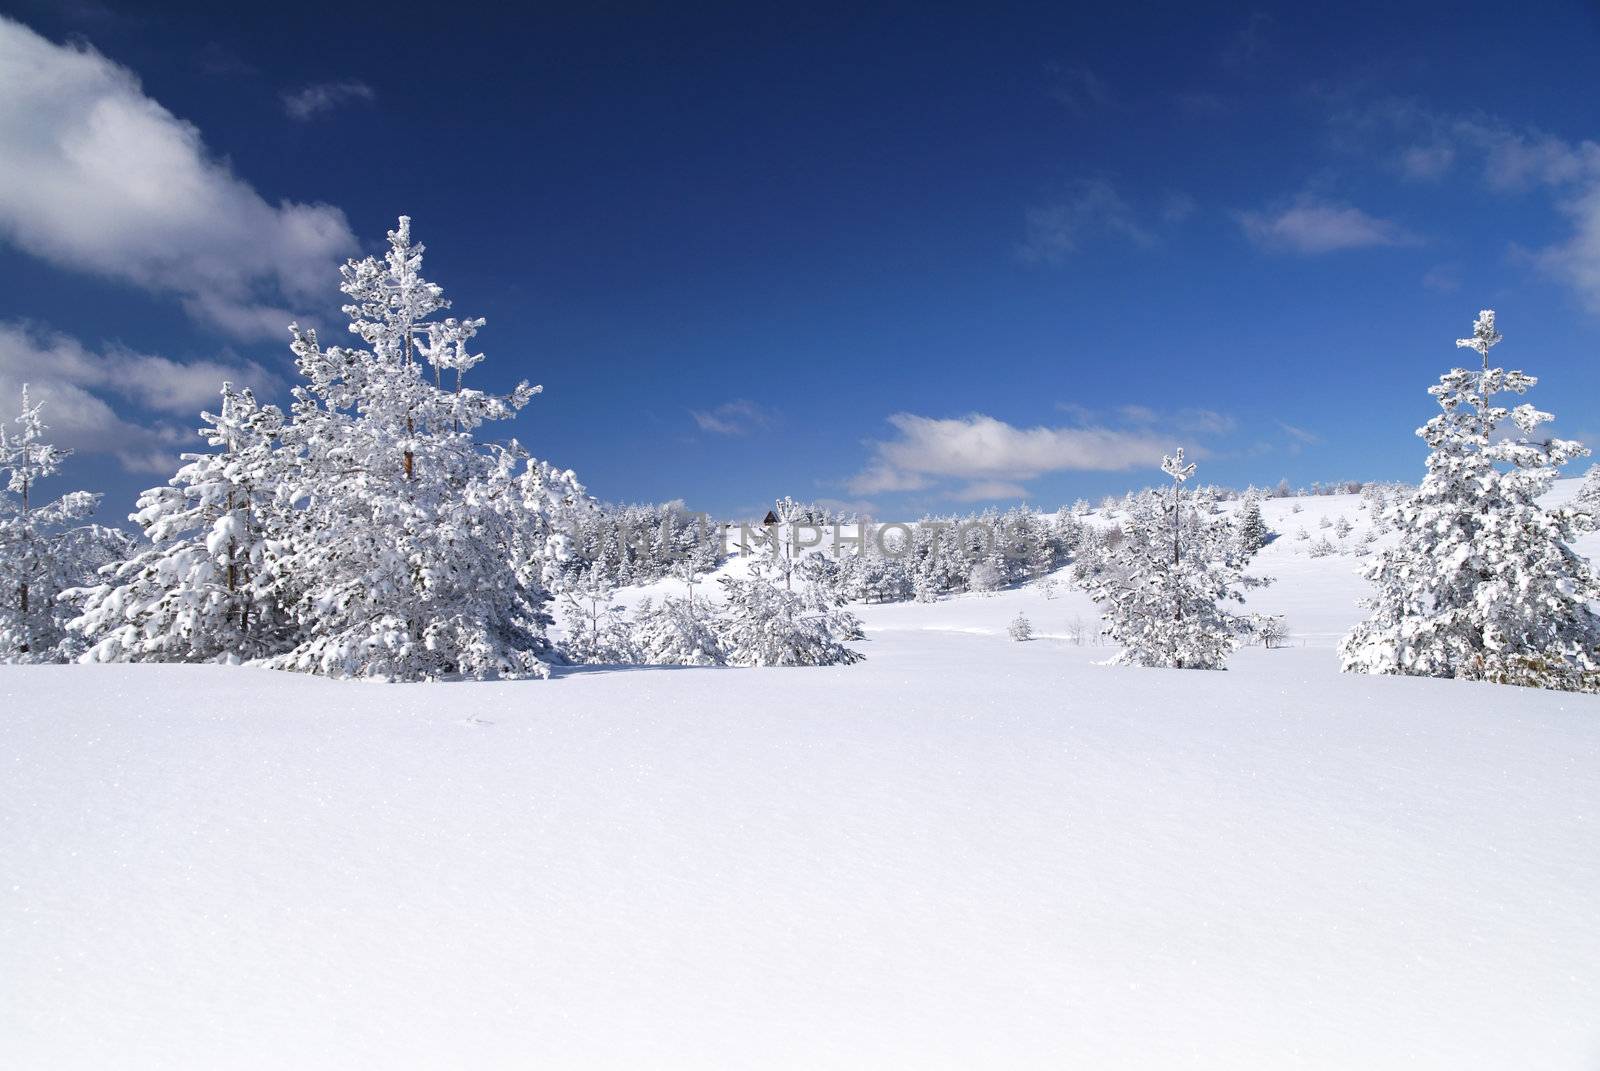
85 392
97 177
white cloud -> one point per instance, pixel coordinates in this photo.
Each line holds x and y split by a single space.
1195 421
1079 90
1515 160
988 491
97 177
1311 225
859 506
1204 105
738 417
1177 207
1299 438
1577 260
1249 42
79 386
314 100
1093 207
1442 278
1507 160
1429 161
881 478
988 453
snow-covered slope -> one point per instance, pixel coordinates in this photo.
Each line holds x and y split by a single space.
963 852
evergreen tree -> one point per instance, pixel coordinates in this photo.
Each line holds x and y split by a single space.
206 589
676 632
1483 583
1020 628
1586 504
765 625
42 554
1253 531
597 630
416 560
1162 585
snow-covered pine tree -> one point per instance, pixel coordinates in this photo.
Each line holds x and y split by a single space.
1483 583
596 628
1065 535
406 565
205 589
1161 587
1020 628
676 632
765 625
1586 504
1253 531
41 554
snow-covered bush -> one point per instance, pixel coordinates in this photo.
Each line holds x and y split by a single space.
1020 628
1321 548
676 632
1483 583
43 554
765 625
1162 588
986 577
597 630
1269 630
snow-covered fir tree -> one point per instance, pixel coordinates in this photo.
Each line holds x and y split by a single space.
415 561
43 552
597 631
1586 504
207 587
1253 531
1162 586
676 632
1020 628
1483 583
762 624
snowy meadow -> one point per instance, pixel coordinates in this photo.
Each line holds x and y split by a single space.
376 741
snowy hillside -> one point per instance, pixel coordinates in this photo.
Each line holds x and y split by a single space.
965 851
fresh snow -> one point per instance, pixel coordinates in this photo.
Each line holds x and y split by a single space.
963 851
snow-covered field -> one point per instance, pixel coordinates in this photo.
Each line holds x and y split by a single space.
964 852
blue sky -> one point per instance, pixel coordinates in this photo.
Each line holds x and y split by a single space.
918 258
